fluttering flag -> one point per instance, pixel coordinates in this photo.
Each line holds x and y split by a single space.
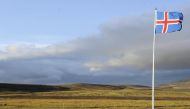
167 22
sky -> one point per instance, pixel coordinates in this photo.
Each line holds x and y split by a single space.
91 41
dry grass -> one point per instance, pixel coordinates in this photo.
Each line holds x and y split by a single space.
50 103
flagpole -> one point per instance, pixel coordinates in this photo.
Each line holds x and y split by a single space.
153 58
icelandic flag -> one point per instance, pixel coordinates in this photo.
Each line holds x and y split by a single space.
167 22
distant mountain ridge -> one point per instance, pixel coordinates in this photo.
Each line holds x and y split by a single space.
102 86
85 86
185 84
65 87
30 87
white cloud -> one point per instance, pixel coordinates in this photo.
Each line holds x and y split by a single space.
21 51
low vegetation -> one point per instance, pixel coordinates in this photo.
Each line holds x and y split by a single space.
87 96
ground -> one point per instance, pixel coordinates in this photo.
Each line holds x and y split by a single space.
92 98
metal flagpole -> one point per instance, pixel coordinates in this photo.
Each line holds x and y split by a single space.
153 57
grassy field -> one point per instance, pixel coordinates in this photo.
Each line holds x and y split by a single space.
96 98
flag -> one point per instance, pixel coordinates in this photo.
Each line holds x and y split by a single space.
167 22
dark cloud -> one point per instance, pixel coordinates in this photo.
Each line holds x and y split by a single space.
121 53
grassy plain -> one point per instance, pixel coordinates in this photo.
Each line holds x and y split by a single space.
92 98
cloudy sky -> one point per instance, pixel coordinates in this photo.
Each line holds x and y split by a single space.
91 41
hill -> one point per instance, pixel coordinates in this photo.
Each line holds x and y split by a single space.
86 86
185 84
66 87
30 87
